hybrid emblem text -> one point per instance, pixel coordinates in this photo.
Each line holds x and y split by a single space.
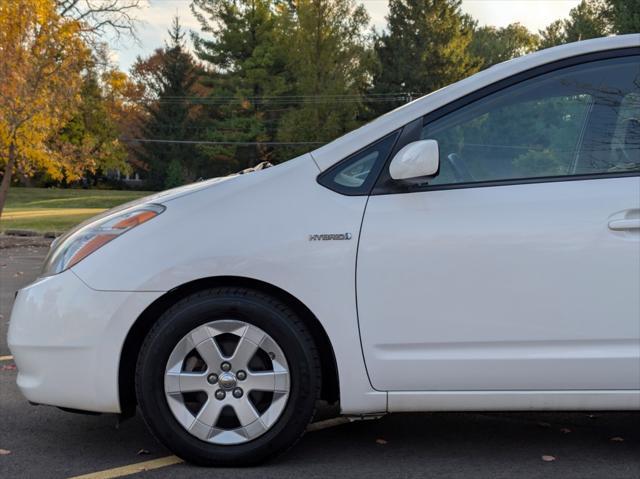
330 237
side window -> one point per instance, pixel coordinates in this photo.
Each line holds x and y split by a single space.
612 140
575 121
356 174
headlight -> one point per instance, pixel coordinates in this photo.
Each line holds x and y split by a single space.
87 238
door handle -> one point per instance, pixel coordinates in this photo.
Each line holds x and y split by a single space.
622 225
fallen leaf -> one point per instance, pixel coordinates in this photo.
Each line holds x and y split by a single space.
617 439
380 441
547 458
143 452
565 430
4 452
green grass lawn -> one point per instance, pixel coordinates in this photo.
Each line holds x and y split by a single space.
53 209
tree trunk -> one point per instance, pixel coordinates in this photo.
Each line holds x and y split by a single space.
6 179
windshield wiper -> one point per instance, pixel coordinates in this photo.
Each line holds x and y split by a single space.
260 166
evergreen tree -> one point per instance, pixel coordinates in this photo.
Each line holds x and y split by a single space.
589 19
624 15
175 174
245 61
169 76
330 64
552 35
425 47
494 45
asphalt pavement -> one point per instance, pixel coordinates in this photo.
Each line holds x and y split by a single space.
44 442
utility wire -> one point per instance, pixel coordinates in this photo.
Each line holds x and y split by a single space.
343 95
206 101
281 100
239 143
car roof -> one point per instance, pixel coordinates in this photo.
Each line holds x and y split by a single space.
340 148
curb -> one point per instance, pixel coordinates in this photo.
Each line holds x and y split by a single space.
32 233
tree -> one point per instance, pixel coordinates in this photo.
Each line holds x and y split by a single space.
624 15
91 137
589 19
169 76
425 47
124 100
175 174
245 69
98 18
330 66
494 45
42 58
552 35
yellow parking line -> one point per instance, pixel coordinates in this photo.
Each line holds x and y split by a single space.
6 358
171 460
132 468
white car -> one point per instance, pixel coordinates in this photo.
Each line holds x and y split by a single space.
476 249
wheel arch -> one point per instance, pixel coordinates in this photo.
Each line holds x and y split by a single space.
330 390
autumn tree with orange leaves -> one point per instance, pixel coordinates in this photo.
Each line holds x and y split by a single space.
40 78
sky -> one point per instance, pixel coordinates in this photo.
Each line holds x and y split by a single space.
157 15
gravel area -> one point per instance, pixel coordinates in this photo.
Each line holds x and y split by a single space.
11 241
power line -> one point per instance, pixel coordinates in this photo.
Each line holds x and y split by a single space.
228 143
342 95
282 100
301 102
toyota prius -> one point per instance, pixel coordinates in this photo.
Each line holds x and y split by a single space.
476 249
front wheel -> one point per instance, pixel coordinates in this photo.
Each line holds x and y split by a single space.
228 376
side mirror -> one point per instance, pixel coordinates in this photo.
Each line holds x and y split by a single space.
416 160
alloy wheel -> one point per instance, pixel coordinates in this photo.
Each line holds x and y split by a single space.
227 382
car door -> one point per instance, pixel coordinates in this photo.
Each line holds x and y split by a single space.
518 266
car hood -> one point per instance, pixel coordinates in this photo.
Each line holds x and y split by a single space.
173 193
160 197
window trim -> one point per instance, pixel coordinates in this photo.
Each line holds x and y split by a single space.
326 177
385 185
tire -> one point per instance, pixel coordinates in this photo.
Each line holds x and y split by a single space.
170 405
